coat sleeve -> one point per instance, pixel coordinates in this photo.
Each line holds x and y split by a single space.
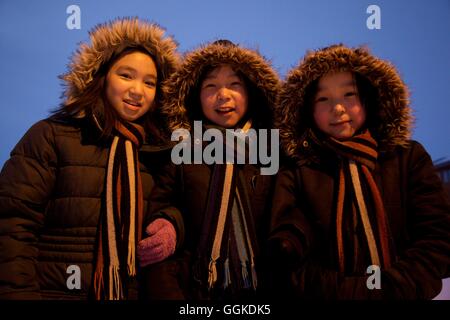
26 183
426 261
420 267
164 198
287 220
290 237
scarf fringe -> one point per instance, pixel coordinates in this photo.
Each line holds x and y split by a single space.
254 276
245 276
212 274
98 284
115 285
131 266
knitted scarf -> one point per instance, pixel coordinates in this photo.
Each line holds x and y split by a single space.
227 248
358 200
120 228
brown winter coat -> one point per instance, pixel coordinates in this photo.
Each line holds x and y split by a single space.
417 207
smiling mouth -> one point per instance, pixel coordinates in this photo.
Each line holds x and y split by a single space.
339 123
225 110
133 105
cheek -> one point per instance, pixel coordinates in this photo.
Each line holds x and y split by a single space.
320 117
206 101
242 100
359 114
151 96
113 90
110 95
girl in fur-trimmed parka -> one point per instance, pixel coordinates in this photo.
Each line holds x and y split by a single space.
74 192
219 211
361 212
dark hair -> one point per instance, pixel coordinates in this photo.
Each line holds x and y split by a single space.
93 102
368 96
256 100
306 114
225 42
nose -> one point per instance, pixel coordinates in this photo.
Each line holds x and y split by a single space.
223 94
339 108
136 90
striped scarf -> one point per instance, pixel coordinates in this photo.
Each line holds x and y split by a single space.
358 195
227 248
120 228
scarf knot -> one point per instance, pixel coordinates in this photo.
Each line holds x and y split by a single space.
132 132
361 148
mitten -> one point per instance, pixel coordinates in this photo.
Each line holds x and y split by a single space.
159 244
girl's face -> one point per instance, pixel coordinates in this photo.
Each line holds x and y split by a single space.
223 96
337 108
131 85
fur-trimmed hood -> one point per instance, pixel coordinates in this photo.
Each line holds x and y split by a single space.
110 39
181 86
394 120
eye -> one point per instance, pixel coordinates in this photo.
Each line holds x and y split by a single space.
150 84
209 85
125 75
321 99
350 94
236 83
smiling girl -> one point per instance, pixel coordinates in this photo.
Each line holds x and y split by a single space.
75 189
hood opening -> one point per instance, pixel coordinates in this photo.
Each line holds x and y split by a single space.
258 108
385 97
84 93
183 89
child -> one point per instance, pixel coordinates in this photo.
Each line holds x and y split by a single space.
226 87
73 193
361 211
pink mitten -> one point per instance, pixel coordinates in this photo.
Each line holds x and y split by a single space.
160 243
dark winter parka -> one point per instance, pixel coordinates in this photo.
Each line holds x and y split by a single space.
52 189
182 190
416 205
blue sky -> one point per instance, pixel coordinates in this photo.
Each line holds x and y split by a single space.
35 46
